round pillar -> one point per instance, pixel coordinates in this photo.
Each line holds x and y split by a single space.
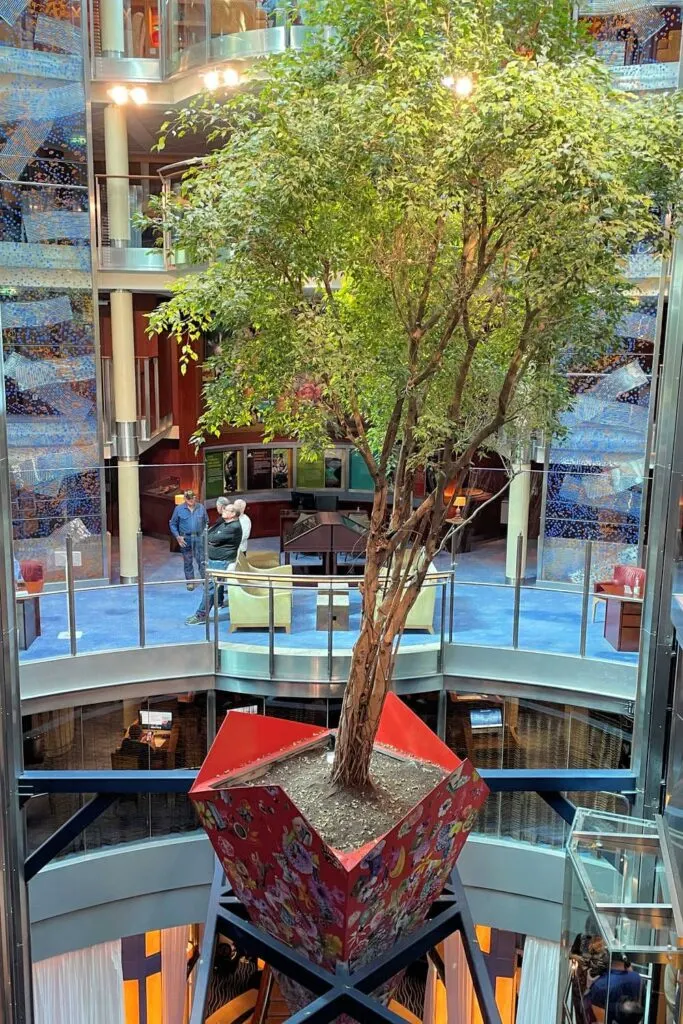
125 406
112 29
518 520
117 234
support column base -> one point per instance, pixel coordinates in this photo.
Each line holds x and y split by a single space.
525 579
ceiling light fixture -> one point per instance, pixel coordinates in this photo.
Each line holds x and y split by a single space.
231 77
119 94
464 86
211 80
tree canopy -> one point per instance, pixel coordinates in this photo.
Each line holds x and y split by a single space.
371 241
407 231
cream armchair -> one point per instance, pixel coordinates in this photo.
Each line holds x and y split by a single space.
261 561
248 601
421 615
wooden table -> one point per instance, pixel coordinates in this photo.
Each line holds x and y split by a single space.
622 618
340 606
28 619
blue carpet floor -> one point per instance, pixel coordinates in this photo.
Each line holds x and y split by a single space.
107 617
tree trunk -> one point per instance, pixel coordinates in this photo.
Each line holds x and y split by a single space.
368 684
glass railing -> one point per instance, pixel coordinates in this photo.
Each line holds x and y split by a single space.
44 226
175 733
123 242
550 592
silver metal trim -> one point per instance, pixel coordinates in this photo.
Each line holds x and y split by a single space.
71 596
585 597
673 879
127 440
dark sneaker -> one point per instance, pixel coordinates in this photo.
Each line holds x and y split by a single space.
190 586
194 620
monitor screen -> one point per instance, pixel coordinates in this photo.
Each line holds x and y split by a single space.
326 502
156 720
486 718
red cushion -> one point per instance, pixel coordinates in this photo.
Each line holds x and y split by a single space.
629 576
31 571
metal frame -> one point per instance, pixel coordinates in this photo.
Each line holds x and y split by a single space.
345 991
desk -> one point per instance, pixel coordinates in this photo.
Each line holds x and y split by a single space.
28 619
622 618
340 606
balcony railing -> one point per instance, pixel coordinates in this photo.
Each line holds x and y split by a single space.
152 417
147 40
122 243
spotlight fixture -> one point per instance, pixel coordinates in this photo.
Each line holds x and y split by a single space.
119 94
463 86
138 95
231 77
448 81
211 80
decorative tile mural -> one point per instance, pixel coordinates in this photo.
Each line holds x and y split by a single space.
597 467
48 330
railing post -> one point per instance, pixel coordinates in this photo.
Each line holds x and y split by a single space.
585 597
207 627
71 595
518 592
442 630
157 404
141 593
215 616
451 610
330 642
271 630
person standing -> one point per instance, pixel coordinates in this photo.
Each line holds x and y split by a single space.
224 538
187 524
245 522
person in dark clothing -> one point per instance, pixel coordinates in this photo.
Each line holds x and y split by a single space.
132 746
617 985
224 539
629 1012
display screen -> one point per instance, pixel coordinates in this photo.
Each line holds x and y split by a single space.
156 720
310 473
359 474
259 469
486 718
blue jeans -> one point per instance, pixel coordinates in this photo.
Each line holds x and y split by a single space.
193 552
213 563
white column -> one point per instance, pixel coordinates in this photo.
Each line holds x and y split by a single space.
112 30
125 405
518 518
116 163
123 343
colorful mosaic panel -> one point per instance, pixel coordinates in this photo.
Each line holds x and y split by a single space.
597 467
48 333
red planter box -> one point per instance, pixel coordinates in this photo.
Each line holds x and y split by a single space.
332 906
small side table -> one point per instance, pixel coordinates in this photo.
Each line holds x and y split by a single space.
340 606
28 619
622 618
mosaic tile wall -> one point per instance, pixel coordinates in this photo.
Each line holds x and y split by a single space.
47 325
597 468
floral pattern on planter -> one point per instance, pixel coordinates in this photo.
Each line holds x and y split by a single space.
329 905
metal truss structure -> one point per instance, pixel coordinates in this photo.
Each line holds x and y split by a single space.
344 992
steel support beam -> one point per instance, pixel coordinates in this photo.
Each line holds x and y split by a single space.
561 805
66 834
345 991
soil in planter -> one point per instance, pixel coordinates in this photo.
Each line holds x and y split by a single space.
345 818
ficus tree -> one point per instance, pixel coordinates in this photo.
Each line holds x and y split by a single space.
406 230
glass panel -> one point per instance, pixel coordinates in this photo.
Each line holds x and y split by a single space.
134 35
186 23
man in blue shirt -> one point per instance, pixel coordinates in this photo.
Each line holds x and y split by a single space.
618 985
188 523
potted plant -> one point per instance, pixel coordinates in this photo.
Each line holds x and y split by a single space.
33 576
295 856
408 233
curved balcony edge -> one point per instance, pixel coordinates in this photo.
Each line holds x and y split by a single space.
88 899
